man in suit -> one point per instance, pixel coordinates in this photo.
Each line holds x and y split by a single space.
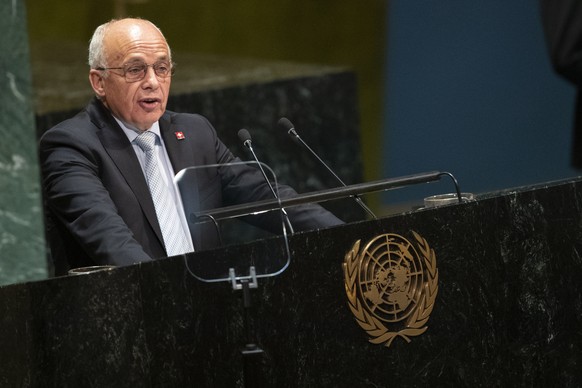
99 207
562 22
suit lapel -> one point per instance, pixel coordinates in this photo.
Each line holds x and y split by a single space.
178 145
121 152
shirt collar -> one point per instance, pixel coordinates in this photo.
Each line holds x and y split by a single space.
132 132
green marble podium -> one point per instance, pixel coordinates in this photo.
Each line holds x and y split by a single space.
22 252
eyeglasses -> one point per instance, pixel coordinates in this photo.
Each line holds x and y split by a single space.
136 71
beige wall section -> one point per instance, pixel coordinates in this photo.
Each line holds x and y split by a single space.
338 32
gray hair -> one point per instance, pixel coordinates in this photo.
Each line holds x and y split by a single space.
97 53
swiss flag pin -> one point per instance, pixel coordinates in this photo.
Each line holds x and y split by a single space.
180 135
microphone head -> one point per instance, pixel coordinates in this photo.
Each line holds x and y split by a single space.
285 124
289 127
244 135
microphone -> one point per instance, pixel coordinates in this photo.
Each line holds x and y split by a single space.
245 137
285 124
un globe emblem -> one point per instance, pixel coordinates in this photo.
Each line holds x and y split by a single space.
391 284
390 276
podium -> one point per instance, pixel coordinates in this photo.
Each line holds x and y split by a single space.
508 310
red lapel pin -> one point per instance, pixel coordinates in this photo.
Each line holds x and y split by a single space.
180 135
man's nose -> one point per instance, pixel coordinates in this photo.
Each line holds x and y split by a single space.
151 76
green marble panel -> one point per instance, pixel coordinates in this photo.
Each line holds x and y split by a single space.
22 252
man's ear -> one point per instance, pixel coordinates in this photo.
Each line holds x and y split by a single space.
96 80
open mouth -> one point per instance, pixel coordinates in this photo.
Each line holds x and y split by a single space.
149 103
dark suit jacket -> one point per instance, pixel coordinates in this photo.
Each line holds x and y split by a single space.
562 22
97 203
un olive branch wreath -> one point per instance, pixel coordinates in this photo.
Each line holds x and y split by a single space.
372 325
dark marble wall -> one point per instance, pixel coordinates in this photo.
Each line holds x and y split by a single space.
508 311
21 227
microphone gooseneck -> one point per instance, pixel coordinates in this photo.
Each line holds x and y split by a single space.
285 124
245 137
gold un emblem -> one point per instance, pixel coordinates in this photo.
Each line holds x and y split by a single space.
391 286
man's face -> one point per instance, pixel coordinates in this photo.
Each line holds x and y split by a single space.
139 103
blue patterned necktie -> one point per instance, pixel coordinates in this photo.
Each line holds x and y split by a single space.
173 233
